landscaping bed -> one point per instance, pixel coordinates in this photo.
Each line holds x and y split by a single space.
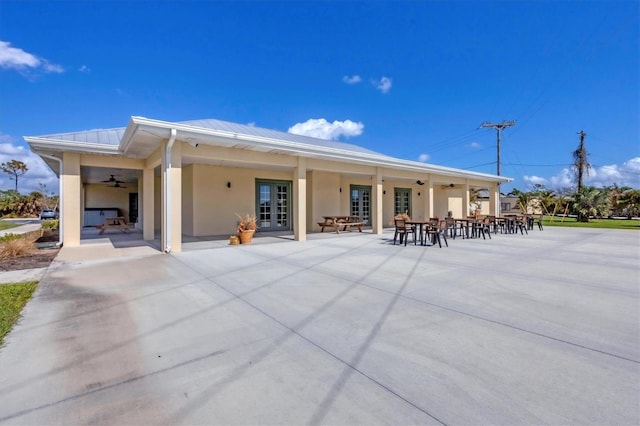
30 257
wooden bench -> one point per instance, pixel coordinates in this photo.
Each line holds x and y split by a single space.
337 222
114 223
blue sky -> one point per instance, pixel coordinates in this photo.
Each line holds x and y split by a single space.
412 80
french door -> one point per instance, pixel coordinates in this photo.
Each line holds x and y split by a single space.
402 201
273 205
361 202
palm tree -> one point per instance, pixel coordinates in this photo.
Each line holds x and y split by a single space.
591 201
524 199
629 202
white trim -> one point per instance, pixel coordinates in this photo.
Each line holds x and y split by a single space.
62 145
300 149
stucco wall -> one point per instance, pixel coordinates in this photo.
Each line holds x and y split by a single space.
214 205
325 198
104 196
187 200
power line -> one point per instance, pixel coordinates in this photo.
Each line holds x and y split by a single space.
499 127
536 165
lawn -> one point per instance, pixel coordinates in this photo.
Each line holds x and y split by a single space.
13 297
593 223
4 224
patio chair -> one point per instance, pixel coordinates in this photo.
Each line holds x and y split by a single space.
521 224
453 227
403 230
538 221
437 232
482 227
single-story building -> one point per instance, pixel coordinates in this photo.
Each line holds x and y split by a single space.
192 177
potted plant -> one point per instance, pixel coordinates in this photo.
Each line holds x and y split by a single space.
247 225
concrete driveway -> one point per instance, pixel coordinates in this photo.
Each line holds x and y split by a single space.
341 329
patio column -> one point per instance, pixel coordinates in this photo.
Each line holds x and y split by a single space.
148 210
376 214
72 206
465 199
494 200
429 200
300 200
171 198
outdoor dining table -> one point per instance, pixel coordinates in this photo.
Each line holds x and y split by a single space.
337 222
423 227
467 224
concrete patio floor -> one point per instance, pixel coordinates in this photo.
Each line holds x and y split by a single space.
340 329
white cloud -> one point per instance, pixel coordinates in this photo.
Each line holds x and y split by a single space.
354 79
383 85
626 174
84 68
423 158
535 180
38 172
475 145
18 59
564 179
322 129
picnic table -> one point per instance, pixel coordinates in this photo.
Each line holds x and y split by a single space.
337 222
114 223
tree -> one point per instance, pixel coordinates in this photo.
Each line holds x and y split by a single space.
524 199
629 202
580 162
15 168
590 201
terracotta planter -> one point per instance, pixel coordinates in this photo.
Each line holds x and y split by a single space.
246 236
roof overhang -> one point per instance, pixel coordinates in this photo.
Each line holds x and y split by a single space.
145 130
143 136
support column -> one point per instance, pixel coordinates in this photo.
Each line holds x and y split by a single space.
465 199
376 214
429 199
72 206
172 199
494 200
300 200
148 206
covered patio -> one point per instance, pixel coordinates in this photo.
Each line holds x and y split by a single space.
189 179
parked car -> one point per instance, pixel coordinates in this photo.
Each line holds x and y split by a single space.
48 214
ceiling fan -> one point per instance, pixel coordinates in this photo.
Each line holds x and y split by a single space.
117 185
113 179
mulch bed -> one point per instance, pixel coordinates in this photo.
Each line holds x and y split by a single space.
40 259
37 259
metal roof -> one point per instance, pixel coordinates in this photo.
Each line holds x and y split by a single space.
97 136
118 142
273 134
114 136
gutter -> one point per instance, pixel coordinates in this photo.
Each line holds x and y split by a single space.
60 220
167 190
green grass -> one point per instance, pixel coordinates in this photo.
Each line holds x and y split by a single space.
593 223
4 224
13 297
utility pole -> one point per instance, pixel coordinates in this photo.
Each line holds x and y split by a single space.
498 127
580 158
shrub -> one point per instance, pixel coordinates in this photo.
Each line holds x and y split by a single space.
9 237
10 248
50 225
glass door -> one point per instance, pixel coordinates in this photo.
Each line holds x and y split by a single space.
361 203
273 205
402 201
